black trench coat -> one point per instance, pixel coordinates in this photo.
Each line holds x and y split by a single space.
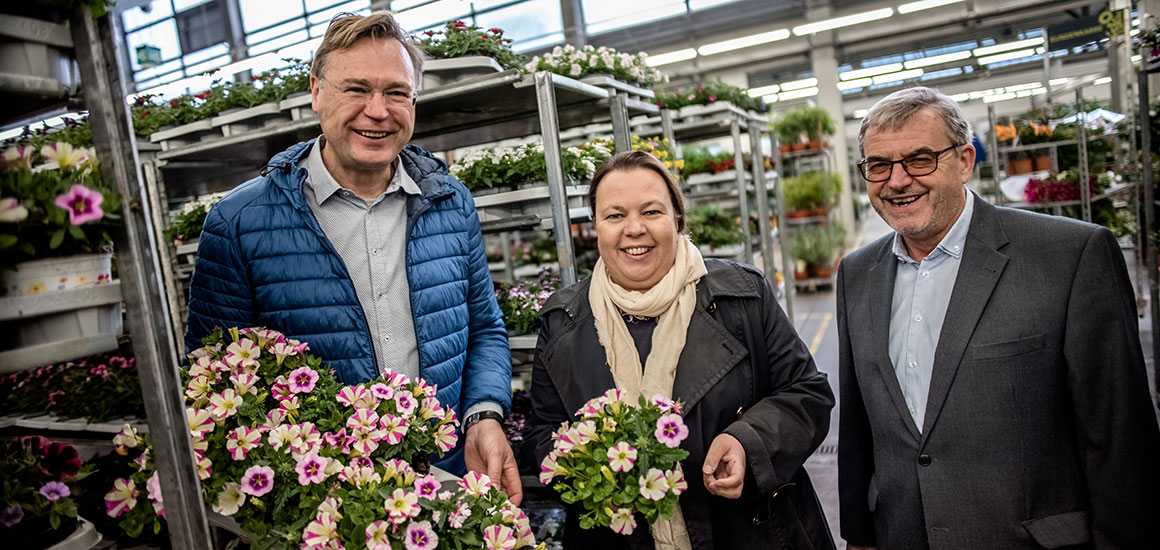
743 371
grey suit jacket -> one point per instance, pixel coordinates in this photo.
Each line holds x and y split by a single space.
1040 430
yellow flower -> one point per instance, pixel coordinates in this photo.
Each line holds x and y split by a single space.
36 288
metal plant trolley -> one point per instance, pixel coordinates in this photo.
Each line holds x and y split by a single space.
94 45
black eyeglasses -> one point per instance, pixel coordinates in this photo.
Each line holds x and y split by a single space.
918 164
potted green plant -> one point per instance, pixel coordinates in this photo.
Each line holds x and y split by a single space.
461 50
802 195
711 226
818 125
573 62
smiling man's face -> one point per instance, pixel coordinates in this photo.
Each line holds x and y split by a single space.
922 209
364 106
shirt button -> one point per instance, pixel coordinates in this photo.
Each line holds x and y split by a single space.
918 318
912 364
375 252
925 274
956 249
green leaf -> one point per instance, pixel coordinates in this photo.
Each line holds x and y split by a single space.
8 241
57 238
54 521
75 231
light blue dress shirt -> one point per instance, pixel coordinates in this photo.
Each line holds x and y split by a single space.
922 292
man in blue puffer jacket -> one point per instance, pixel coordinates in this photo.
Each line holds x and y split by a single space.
366 248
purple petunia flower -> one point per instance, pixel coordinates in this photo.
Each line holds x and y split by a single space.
11 516
420 536
83 204
55 490
671 430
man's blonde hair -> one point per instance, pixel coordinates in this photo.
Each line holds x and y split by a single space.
347 28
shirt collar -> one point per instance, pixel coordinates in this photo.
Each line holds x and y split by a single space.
953 242
325 186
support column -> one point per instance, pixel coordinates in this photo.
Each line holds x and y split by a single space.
1149 11
572 14
1119 64
825 65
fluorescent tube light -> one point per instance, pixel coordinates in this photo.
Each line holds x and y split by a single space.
670 57
999 97
1059 81
895 77
1021 87
743 42
1104 80
911 7
851 84
937 59
1136 58
844 21
870 71
764 90
771 98
799 84
1018 44
1006 56
959 98
797 94
861 113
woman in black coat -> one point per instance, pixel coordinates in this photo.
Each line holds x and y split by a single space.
657 318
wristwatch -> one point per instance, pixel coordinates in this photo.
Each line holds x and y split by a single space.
472 419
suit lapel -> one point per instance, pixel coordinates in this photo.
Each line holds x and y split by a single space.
979 272
880 288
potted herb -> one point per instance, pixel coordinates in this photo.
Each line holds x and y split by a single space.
710 226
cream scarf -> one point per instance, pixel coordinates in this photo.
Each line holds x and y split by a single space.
673 300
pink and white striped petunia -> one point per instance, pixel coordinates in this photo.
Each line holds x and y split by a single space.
308 438
475 483
394 428
377 536
65 155
225 404
623 522
282 435
431 409
402 505
445 437
676 481
200 420
427 487
585 432
621 457
241 441
364 443
274 418
244 383
302 380
420 536
359 475
281 388
204 467
281 351
666 405
397 468
243 354
459 516
357 397
550 468
395 379
122 498
671 430
202 367
653 484
405 404
258 480
382 391
331 506
289 405
363 420
499 537
199 387
320 532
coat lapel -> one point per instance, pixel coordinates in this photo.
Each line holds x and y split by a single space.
880 288
979 272
710 353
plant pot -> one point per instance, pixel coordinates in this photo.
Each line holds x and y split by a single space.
819 211
1018 166
1042 162
814 144
799 146
442 72
820 272
797 213
36 534
59 306
785 148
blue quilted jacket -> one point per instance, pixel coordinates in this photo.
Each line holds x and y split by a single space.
264 261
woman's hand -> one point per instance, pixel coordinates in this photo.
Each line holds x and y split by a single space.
724 468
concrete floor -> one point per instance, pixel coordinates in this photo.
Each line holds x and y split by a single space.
814 318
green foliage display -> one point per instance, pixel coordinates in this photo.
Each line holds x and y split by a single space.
510 166
96 388
710 226
708 93
813 189
814 122
187 225
458 39
817 245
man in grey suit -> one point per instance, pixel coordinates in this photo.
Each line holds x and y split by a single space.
993 391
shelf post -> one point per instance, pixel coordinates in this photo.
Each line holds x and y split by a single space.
668 133
1149 227
761 197
994 144
1085 192
621 135
550 132
742 192
787 264
144 292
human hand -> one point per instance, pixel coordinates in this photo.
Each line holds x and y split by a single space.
724 467
487 452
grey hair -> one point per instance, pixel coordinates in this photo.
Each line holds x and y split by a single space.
896 109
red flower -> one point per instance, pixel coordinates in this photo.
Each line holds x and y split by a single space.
173 102
495 31
60 461
202 95
34 444
459 24
430 33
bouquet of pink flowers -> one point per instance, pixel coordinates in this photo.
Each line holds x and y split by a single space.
301 461
620 459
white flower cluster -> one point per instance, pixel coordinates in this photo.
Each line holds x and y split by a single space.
204 201
575 62
523 163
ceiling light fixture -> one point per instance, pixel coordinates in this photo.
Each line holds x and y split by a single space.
670 57
899 76
799 84
870 71
1103 80
999 97
844 21
797 94
763 90
937 59
861 113
1006 56
851 84
911 7
743 42
1018 44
